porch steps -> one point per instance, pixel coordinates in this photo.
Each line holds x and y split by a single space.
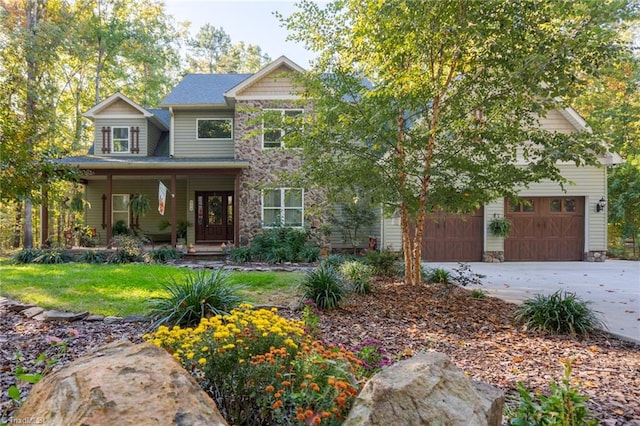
206 253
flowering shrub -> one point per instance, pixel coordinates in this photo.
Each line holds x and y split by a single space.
261 368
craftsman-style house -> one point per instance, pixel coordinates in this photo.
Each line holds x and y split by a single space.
202 144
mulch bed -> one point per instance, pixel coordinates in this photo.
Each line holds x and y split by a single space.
478 334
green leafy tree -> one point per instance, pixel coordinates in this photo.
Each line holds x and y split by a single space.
207 47
612 108
211 51
435 105
57 58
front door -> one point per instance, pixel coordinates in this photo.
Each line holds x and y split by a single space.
214 216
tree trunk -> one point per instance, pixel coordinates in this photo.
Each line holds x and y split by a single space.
17 227
27 241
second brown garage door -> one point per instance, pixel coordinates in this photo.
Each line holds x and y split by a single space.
453 238
545 229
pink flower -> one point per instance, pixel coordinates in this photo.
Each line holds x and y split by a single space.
54 340
73 332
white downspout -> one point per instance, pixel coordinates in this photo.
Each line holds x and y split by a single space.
171 134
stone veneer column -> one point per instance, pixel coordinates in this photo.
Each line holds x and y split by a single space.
263 170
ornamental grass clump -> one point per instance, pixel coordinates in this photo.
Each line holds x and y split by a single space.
560 312
324 286
202 294
261 368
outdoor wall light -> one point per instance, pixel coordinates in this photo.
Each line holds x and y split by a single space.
601 205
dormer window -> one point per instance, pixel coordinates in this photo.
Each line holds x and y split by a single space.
120 139
274 125
214 128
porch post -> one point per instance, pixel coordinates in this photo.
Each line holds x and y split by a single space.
44 217
108 208
174 223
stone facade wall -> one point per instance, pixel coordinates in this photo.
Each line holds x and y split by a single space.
493 256
264 168
595 256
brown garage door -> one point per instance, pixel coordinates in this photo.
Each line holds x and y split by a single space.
550 228
453 238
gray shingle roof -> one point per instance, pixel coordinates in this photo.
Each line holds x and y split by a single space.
199 89
162 115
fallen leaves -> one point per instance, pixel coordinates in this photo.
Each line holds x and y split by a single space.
481 338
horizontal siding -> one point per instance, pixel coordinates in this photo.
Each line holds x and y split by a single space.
391 234
149 224
119 122
186 143
555 121
275 83
491 210
119 107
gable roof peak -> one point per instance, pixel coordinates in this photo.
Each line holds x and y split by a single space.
112 99
281 61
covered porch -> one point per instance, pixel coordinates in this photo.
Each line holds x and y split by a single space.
111 183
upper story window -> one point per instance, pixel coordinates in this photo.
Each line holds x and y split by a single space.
274 124
120 138
283 207
214 128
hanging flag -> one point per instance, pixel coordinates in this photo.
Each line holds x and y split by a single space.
162 197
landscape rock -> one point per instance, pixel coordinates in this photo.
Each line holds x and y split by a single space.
15 306
94 318
136 318
427 389
121 383
112 320
64 316
31 312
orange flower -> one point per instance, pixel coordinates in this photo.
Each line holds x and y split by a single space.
308 377
286 383
303 385
300 417
315 387
277 404
341 400
277 394
317 420
326 414
269 389
308 413
331 381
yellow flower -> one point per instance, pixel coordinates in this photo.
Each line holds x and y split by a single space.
205 348
202 361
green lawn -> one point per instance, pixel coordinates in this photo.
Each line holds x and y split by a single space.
123 289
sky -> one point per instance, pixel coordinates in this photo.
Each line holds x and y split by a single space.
250 21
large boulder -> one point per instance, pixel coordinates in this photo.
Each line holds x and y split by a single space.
427 389
121 383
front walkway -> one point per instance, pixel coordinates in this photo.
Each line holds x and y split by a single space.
612 287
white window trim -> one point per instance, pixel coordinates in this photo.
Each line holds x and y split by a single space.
113 140
282 133
113 210
214 119
282 208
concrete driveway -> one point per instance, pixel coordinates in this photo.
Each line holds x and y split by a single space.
612 287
